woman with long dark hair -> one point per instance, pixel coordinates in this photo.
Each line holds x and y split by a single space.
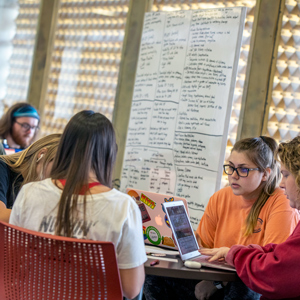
78 201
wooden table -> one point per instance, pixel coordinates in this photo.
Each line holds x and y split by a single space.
178 270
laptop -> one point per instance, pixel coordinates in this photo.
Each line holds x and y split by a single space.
156 227
185 238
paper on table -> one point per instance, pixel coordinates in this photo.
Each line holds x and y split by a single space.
163 258
153 249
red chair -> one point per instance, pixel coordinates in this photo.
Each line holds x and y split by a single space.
37 266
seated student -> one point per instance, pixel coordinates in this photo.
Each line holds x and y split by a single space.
31 164
18 127
251 209
272 270
79 201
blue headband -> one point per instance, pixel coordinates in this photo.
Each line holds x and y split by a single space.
26 111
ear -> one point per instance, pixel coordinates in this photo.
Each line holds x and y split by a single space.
41 154
266 174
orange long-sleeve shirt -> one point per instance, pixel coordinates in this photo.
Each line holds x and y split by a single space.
223 222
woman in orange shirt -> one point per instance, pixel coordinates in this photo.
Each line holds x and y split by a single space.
252 209
272 270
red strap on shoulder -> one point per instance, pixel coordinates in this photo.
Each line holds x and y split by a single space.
84 188
62 181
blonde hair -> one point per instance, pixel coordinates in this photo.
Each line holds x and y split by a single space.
261 151
289 155
24 163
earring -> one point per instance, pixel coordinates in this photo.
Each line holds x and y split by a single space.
39 158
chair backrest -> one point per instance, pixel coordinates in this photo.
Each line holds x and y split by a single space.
39 266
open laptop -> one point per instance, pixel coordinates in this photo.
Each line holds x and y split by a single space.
185 238
156 227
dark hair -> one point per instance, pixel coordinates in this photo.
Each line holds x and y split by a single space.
7 120
261 151
87 144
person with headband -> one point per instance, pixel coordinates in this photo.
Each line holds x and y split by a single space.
272 270
252 209
18 127
17 169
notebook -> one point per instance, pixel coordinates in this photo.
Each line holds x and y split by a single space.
156 227
185 238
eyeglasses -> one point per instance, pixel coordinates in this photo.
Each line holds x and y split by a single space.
26 126
240 171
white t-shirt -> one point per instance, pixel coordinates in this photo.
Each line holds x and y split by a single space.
111 216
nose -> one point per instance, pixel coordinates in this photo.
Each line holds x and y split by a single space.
235 174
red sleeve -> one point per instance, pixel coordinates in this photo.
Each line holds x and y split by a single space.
273 270
281 221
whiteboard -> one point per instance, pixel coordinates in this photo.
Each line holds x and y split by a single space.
181 106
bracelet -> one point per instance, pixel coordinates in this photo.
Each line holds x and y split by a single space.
218 284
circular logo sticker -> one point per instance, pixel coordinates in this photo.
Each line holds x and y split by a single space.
153 235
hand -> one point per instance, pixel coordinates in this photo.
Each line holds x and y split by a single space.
216 253
204 290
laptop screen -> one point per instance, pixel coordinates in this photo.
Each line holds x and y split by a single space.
156 227
185 238
182 229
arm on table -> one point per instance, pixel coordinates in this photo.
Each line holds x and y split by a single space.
215 253
132 281
271 270
4 212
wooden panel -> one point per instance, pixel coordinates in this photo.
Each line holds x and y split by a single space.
130 52
255 103
42 52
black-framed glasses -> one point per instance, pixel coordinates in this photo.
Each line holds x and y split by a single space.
26 126
241 171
